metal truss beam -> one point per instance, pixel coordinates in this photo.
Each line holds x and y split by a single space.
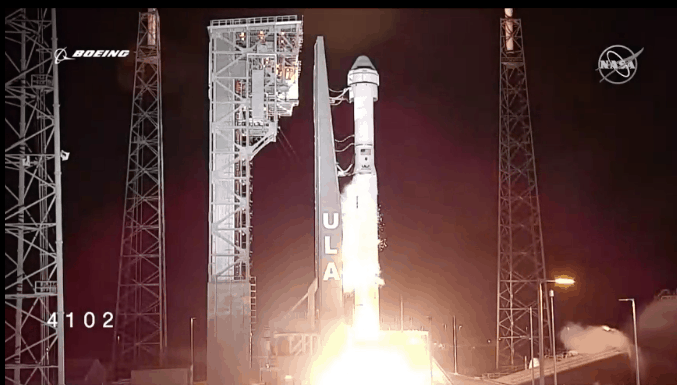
521 260
140 337
34 307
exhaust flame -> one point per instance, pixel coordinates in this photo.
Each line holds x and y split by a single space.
367 356
393 359
363 365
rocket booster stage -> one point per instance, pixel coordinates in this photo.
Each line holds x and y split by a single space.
361 205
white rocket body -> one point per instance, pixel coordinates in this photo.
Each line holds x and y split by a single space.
363 81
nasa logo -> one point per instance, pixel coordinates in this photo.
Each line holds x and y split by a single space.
618 68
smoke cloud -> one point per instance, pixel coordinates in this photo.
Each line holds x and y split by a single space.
657 338
594 339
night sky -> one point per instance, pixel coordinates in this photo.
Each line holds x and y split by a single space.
605 163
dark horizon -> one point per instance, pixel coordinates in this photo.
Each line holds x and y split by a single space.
606 169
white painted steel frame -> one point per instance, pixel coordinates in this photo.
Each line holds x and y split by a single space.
239 48
34 348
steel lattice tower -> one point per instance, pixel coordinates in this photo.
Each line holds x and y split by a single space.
253 80
34 339
521 261
141 310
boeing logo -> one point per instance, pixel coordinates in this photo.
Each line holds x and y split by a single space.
61 55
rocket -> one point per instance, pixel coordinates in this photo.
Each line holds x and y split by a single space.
362 200
346 227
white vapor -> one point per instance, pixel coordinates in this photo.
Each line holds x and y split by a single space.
360 234
594 339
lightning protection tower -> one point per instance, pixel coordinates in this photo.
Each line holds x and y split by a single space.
140 337
521 261
253 80
34 339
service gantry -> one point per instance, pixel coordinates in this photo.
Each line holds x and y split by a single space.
253 80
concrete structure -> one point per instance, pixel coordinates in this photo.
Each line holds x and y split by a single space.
85 372
609 366
176 376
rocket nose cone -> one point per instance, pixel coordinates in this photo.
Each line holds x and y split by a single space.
363 62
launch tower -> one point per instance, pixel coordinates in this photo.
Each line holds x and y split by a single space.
521 260
140 337
34 308
253 80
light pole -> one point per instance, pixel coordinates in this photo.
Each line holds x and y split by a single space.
541 377
192 351
634 322
541 282
430 347
552 333
531 343
455 343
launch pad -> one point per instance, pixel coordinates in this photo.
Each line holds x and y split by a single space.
254 72
402 355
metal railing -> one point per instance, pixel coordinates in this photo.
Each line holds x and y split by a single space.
254 20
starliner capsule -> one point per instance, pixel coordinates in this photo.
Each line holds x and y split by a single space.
363 81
